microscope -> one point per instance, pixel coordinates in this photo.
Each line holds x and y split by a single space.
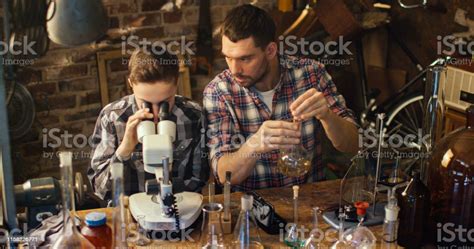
159 207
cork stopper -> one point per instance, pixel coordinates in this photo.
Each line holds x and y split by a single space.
247 202
296 188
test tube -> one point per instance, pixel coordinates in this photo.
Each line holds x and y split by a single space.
212 191
227 185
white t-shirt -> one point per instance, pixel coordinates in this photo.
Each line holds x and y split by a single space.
267 98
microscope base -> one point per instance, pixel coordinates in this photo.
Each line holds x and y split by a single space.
189 208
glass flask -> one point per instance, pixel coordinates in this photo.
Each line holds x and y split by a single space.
314 237
340 243
359 182
295 161
450 180
211 230
246 232
70 237
359 237
118 216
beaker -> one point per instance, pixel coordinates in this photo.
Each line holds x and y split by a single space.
211 229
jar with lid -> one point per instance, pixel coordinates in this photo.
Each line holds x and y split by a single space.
97 231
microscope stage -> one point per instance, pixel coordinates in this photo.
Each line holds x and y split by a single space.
189 208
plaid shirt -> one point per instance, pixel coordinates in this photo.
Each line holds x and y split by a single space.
235 113
190 170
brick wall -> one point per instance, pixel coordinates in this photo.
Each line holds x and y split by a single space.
64 83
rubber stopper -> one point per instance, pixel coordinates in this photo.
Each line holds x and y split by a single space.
361 207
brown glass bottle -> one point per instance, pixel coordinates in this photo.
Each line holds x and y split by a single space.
413 202
450 182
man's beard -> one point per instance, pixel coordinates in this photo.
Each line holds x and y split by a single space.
252 81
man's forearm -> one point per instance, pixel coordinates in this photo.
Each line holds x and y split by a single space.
342 133
241 163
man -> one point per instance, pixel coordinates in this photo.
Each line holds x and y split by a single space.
250 106
153 78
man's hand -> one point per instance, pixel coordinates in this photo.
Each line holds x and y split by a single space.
130 139
275 134
311 104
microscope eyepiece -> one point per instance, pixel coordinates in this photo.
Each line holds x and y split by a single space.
148 105
164 112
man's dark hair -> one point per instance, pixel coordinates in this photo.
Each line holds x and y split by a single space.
148 67
247 21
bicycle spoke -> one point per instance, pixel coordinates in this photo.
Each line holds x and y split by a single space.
410 118
413 108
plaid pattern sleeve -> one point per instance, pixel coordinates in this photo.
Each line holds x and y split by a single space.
104 140
190 169
220 123
325 84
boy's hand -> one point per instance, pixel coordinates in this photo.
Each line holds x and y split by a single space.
130 139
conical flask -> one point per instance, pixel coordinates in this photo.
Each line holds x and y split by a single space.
70 237
211 230
359 182
314 237
246 232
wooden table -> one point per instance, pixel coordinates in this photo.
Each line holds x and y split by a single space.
324 195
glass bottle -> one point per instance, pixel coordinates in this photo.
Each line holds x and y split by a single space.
450 181
97 231
412 201
313 241
246 232
211 230
70 237
390 223
118 216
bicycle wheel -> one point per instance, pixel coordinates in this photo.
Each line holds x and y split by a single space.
404 124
